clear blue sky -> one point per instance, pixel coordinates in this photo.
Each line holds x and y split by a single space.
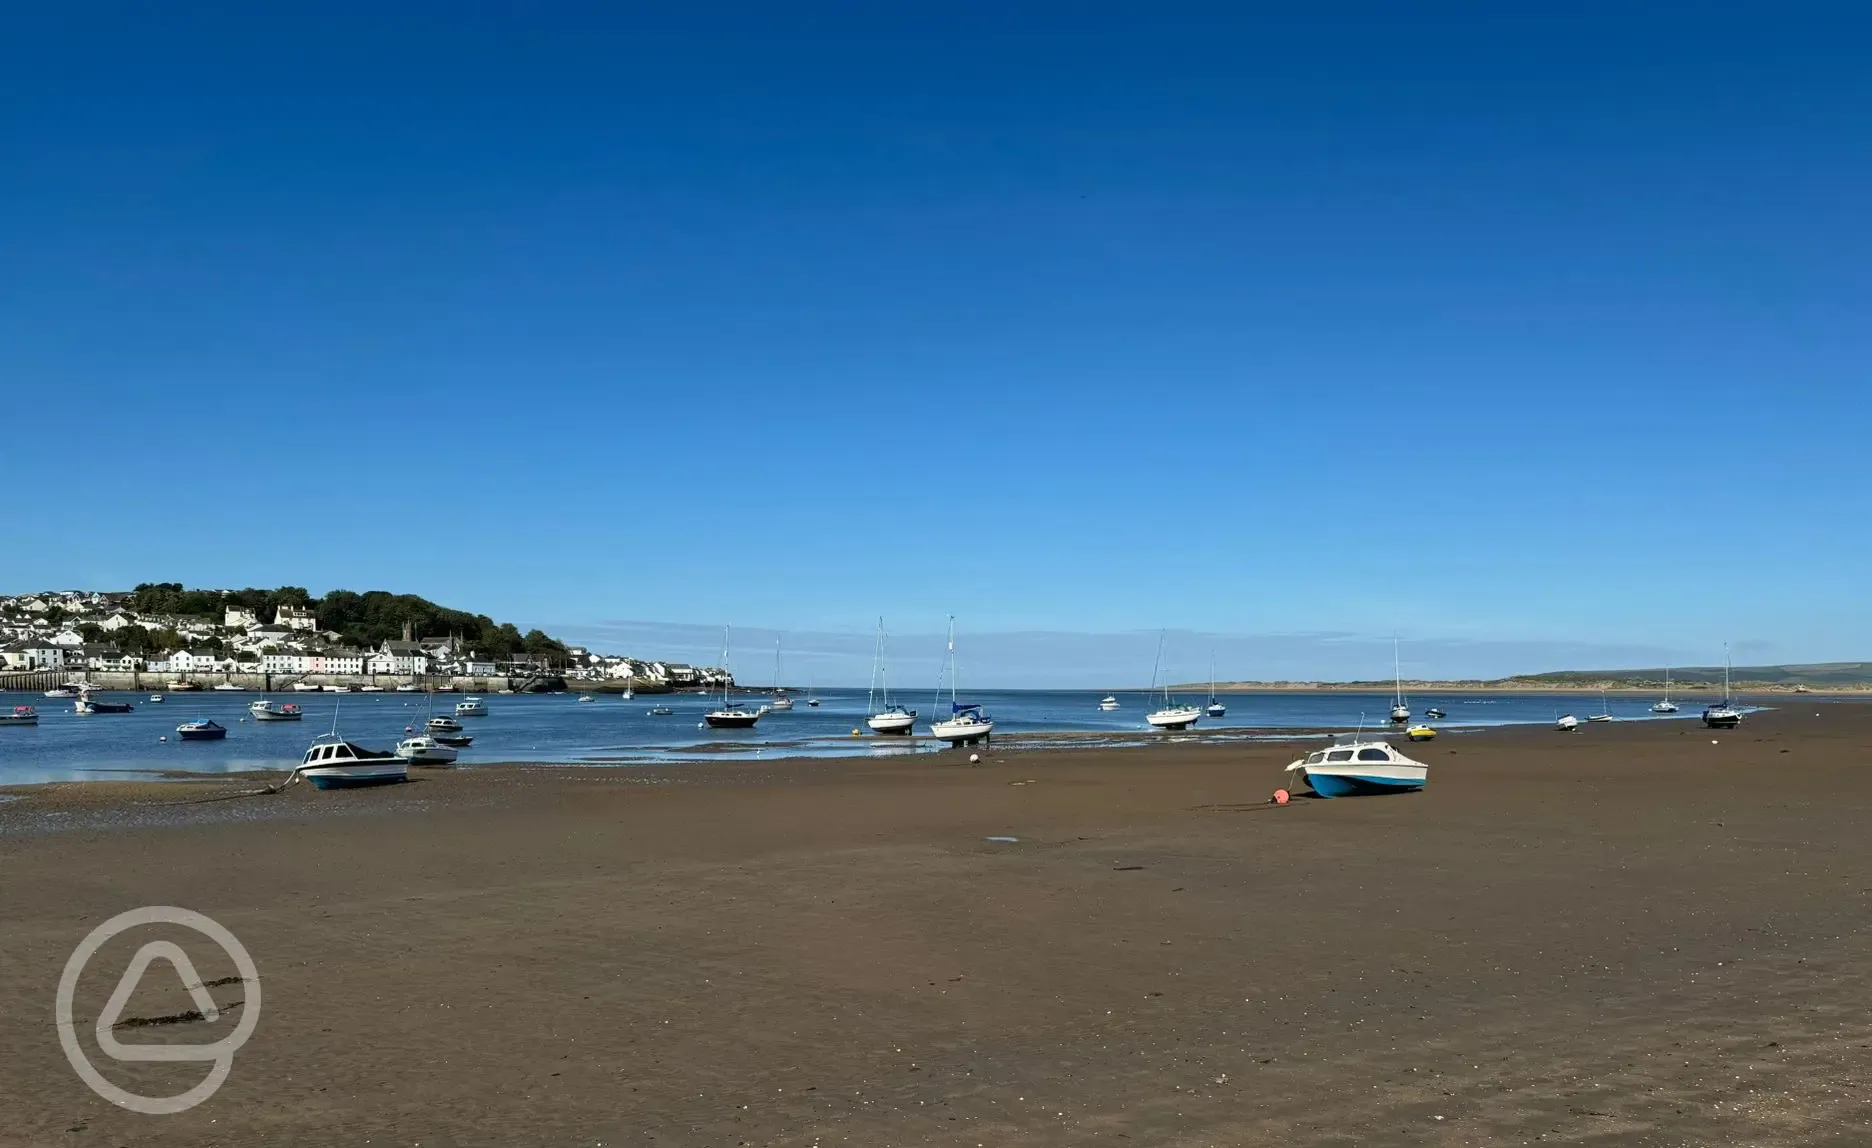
1525 332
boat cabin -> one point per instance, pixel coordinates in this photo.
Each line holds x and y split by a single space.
339 753
1383 754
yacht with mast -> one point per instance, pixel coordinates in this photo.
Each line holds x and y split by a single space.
1173 715
1215 708
967 724
1665 706
730 715
1723 714
780 699
1400 713
891 718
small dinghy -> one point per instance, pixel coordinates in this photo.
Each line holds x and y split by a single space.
443 724
21 715
1108 703
1567 723
424 750
266 710
1420 733
1433 712
1360 767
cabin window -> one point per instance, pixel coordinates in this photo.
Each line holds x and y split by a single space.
1339 755
1373 755
1316 757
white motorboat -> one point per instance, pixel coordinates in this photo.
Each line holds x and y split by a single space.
1170 715
627 692
730 715
966 724
86 704
370 689
1400 713
305 688
587 698
1566 723
442 723
471 707
886 717
1665 705
183 686
156 699
63 692
337 689
1108 703
1360 767
20 715
229 688
409 688
424 750
267 710
1723 714
333 763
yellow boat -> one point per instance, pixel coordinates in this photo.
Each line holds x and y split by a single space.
1420 733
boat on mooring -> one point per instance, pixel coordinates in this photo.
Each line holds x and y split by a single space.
424 750
201 729
1400 713
229 688
156 699
333 763
730 715
1214 708
1108 703
268 710
886 716
967 724
781 700
1360 767
1723 714
1664 705
471 707
21 715
86 704
62 692
442 723
1172 715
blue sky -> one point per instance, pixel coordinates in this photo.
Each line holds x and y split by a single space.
1529 335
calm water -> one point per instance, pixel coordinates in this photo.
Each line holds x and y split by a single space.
560 728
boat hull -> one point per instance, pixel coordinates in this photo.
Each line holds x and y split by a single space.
1175 719
730 721
1355 783
201 734
780 704
356 776
1722 721
9 719
268 715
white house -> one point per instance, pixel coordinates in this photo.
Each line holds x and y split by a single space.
117 621
399 658
70 639
284 662
240 616
480 669
34 654
296 618
196 662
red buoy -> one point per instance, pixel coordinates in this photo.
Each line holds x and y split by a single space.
1280 797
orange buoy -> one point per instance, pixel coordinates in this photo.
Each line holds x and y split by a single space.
1280 797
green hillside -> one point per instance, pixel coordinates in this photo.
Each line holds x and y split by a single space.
1815 674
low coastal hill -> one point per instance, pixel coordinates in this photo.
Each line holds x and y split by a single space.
1822 676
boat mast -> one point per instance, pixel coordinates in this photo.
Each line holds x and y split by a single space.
954 673
1156 669
1397 674
724 667
877 656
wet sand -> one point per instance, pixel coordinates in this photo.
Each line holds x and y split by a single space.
1625 936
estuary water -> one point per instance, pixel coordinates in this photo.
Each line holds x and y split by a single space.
66 746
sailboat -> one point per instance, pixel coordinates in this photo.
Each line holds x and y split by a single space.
1723 714
811 698
1172 715
1400 713
780 699
1216 708
1666 706
891 718
1605 709
730 715
967 724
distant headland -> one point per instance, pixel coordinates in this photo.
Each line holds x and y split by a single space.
1818 677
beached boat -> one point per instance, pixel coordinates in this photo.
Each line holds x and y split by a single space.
306 688
1108 703
442 723
424 750
229 688
201 729
886 716
409 688
333 763
1665 706
183 686
1723 714
1566 723
967 724
1360 767
86 704
730 715
471 707
1400 713
1420 733
370 689
268 710
1605 709
21 715
1171 715
62 692
337 689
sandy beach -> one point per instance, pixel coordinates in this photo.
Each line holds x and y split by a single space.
1643 933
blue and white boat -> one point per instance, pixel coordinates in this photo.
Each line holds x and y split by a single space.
1359 767
333 763
201 729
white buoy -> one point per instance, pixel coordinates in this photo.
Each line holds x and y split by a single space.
974 759
1712 741
164 737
